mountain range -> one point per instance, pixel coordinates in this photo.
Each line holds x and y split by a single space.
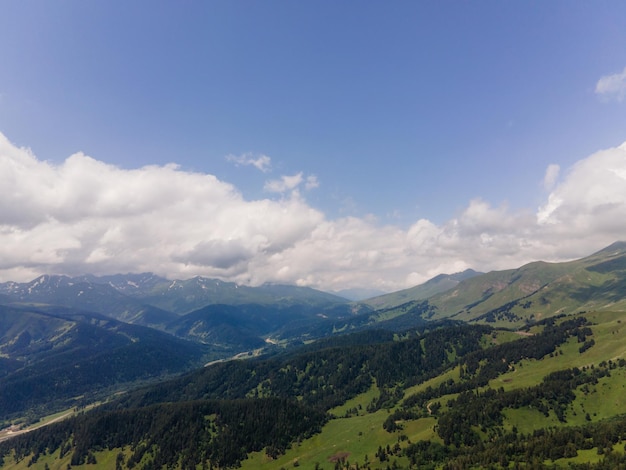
95 335
72 342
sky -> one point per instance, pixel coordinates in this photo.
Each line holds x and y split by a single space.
336 145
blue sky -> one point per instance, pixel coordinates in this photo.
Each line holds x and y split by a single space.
376 119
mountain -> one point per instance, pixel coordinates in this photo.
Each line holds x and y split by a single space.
425 380
356 294
229 324
514 297
135 297
131 284
230 328
58 351
539 290
83 294
55 346
51 358
184 296
243 318
440 283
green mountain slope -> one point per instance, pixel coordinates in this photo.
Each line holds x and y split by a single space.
534 291
440 283
456 397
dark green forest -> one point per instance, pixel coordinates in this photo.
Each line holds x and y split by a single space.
187 434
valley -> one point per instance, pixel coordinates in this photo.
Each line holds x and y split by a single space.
521 368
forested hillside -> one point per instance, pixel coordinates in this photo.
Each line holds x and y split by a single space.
61 359
454 396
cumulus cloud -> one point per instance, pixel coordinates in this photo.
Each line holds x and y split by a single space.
592 199
260 162
612 86
84 215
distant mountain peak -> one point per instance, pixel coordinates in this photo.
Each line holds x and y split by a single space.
49 281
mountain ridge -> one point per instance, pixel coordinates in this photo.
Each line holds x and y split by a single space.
539 289
514 296
63 354
136 291
439 283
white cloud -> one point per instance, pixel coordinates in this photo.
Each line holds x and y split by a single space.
260 162
311 182
291 183
592 199
284 184
612 86
551 176
84 215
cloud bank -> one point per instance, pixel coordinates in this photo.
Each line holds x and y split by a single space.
86 216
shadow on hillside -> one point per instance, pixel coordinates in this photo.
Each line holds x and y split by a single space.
613 290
